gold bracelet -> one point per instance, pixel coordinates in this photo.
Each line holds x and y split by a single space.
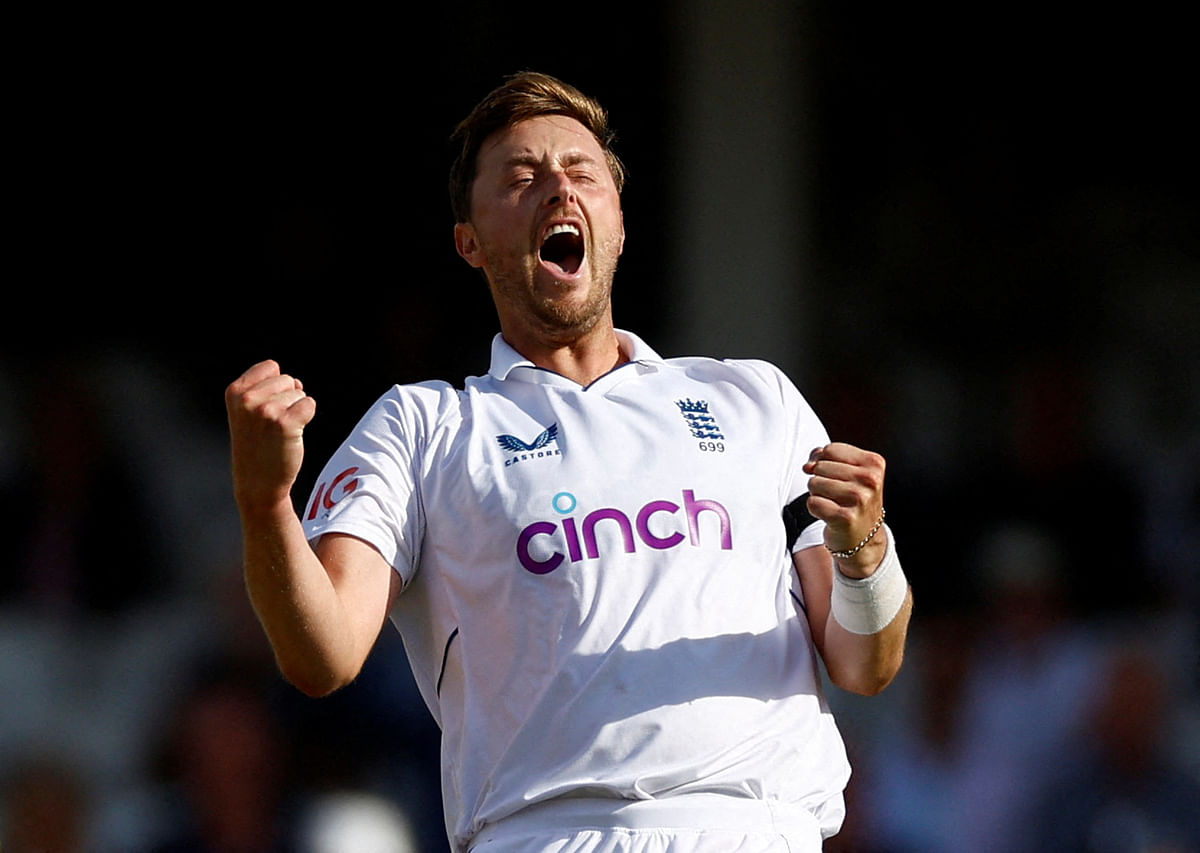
843 555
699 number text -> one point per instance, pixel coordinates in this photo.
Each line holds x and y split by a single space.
712 446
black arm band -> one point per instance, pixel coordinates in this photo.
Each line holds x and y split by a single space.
796 517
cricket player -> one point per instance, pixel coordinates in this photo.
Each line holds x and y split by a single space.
614 572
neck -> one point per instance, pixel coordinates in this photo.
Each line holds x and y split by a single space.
582 357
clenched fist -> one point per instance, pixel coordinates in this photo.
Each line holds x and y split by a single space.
268 411
846 492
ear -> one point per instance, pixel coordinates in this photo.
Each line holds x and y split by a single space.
467 243
621 246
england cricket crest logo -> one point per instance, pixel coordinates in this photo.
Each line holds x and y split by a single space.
702 424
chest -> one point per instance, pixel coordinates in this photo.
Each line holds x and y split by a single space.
550 475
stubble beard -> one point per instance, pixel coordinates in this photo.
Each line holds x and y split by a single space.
559 319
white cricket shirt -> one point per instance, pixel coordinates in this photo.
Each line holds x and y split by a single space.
599 599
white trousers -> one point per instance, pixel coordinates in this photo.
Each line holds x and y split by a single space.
696 823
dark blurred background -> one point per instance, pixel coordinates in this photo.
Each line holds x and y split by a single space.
970 235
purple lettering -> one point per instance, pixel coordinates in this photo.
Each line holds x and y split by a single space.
572 540
589 530
693 508
564 503
538 567
643 525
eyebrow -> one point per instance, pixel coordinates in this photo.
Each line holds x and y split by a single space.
570 158
521 160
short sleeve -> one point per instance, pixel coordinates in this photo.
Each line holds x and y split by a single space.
368 488
804 433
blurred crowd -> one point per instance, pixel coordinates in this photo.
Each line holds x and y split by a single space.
1001 288
1051 698
141 709
1049 701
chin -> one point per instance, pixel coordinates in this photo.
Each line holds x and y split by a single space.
571 316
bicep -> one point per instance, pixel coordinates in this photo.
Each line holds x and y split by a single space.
814 567
366 584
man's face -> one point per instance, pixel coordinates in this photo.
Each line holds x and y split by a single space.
546 226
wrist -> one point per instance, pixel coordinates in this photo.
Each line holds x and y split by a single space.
860 560
256 509
866 561
867 605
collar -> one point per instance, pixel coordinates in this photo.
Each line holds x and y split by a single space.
505 359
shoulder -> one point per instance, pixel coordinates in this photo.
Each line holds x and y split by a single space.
762 384
434 395
419 408
744 373
424 397
761 371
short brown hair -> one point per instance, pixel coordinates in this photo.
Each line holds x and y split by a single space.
523 96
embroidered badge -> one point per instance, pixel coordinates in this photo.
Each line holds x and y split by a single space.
699 421
538 448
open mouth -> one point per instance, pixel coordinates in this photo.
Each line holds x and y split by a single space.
563 247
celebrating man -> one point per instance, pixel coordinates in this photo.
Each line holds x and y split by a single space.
613 572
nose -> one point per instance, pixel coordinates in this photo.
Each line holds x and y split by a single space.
559 189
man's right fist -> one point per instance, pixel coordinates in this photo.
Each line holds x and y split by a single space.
268 411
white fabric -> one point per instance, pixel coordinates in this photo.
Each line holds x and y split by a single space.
696 823
868 605
599 600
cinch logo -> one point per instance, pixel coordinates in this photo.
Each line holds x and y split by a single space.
324 497
580 539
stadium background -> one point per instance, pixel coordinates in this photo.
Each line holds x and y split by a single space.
970 237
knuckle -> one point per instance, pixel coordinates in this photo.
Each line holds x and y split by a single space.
273 412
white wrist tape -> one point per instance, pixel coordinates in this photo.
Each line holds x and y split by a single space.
868 605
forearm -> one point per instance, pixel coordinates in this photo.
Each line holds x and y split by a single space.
297 602
863 652
870 604
867 663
